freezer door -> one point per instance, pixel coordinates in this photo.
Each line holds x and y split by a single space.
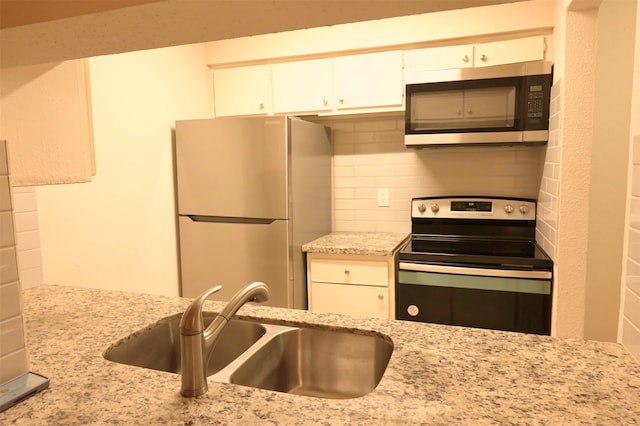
232 167
234 255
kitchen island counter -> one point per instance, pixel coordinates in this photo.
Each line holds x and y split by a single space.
436 375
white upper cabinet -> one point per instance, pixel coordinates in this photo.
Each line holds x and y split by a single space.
242 90
303 86
474 55
439 58
509 51
369 80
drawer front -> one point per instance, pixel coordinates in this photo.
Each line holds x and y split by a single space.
350 272
366 301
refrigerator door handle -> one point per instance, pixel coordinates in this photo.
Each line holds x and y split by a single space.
227 219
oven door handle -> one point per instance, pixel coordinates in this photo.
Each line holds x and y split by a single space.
461 270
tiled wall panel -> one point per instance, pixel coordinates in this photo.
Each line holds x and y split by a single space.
13 356
631 314
548 205
28 236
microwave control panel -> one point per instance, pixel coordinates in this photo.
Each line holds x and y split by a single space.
537 98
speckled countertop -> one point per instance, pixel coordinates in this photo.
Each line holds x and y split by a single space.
437 375
367 243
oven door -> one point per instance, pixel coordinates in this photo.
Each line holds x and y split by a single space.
499 299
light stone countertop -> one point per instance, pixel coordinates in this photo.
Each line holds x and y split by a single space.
362 243
437 375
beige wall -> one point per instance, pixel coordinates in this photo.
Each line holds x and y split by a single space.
118 231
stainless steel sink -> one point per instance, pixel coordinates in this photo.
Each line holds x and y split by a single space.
158 347
317 362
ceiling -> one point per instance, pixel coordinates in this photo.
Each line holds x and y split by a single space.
34 31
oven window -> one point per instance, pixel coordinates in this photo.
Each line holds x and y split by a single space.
510 304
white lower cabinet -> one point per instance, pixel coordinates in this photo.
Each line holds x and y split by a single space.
359 285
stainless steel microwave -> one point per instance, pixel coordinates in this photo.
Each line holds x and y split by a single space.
504 104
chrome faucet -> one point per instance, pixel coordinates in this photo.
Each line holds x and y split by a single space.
196 343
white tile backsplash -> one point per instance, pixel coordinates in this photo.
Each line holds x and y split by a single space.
631 313
28 236
369 153
13 355
548 205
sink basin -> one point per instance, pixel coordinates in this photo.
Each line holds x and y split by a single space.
158 347
316 362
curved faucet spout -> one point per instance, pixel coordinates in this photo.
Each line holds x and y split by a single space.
196 343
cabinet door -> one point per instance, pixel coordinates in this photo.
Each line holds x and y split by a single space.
302 86
368 80
356 300
439 58
509 51
242 90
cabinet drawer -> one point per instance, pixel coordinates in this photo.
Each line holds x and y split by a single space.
357 300
350 272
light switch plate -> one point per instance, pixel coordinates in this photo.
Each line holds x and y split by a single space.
383 197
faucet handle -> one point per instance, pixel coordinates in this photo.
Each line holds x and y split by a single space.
192 322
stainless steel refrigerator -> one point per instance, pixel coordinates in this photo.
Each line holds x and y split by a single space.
251 191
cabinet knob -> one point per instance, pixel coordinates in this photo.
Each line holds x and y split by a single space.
341 101
261 106
381 297
465 58
483 58
325 102
347 272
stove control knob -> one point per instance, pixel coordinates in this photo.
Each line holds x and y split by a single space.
524 209
508 209
435 208
422 208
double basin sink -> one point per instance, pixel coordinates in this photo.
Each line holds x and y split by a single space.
318 362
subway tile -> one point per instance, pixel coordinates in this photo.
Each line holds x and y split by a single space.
344 193
13 365
634 245
344 215
27 221
23 189
632 307
11 335
28 259
375 125
635 146
10 300
4 162
25 202
8 265
631 338
28 240
31 277
5 195
7 237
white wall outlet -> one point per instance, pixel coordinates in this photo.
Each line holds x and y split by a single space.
383 197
